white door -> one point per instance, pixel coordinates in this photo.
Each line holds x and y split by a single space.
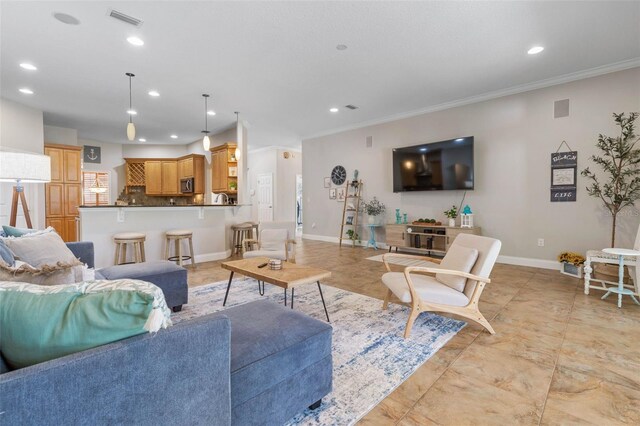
265 197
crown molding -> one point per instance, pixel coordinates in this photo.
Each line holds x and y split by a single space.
541 84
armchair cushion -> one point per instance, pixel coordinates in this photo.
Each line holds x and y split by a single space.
427 288
458 258
273 239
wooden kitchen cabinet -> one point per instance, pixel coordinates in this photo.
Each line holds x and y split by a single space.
185 168
63 194
222 160
72 172
153 177
161 176
170 177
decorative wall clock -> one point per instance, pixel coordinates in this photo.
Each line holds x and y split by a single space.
338 175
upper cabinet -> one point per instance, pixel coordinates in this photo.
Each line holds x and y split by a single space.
162 176
63 194
224 169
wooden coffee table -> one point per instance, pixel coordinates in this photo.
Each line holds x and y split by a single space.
289 277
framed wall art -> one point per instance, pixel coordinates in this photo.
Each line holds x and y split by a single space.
332 194
564 173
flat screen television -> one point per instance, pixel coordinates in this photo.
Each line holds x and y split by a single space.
444 165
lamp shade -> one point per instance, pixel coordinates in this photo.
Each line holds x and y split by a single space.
24 167
206 143
131 131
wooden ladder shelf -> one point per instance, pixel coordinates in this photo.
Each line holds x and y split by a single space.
351 208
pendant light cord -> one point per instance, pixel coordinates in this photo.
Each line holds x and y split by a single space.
130 108
206 128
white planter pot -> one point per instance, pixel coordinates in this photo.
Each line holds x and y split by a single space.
372 220
452 222
571 270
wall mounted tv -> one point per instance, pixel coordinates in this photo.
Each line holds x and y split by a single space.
437 166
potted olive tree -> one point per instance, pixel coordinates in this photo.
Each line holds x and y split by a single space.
619 184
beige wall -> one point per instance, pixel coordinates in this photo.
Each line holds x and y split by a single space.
514 137
60 135
21 128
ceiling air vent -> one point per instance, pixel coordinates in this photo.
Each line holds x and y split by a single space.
125 18
352 107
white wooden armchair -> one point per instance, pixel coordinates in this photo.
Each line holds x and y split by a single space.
454 287
275 240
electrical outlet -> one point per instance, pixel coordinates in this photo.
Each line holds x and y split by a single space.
540 242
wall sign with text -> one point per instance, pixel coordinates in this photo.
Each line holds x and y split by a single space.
564 173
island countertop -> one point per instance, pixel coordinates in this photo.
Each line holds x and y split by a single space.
210 224
168 205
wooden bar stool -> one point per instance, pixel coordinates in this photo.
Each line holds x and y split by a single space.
240 232
178 235
121 240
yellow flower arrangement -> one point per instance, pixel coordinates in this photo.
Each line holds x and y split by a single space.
571 257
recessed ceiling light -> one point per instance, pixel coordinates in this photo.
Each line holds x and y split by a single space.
211 112
341 47
142 140
535 50
26 91
66 19
28 66
154 93
136 41
423 149
132 112
333 109
174 136
459 140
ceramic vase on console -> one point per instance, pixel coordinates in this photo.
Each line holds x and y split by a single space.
452 222
373 220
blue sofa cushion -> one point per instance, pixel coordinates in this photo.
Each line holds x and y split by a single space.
171 278
269 344
6 254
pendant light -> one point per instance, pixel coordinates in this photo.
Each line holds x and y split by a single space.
206 143
131 128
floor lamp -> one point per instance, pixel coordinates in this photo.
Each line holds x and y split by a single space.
23 167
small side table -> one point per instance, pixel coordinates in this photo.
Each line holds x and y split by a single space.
372 235
620 290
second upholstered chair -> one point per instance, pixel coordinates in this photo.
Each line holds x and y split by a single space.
275 241
455 286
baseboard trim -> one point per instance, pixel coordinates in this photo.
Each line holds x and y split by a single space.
335 240
210 257
508 260
528 261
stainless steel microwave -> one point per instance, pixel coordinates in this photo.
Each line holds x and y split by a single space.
186 186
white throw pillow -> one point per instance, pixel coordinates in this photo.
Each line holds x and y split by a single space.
40 249
458 258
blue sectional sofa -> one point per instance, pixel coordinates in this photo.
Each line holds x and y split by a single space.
171 278
254 364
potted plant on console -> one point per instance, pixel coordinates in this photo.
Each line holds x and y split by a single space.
571 263
375 210
452 214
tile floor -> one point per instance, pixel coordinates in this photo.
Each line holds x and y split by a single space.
559 356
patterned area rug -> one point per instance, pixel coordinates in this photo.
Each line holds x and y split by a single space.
405 261
370 356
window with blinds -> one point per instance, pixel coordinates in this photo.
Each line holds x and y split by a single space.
89 196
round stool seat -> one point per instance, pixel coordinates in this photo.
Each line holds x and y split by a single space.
179 233
136 239
129 236
242 226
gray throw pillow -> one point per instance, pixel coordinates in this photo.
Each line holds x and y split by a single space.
40 249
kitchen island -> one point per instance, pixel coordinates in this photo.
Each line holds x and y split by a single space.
211 226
